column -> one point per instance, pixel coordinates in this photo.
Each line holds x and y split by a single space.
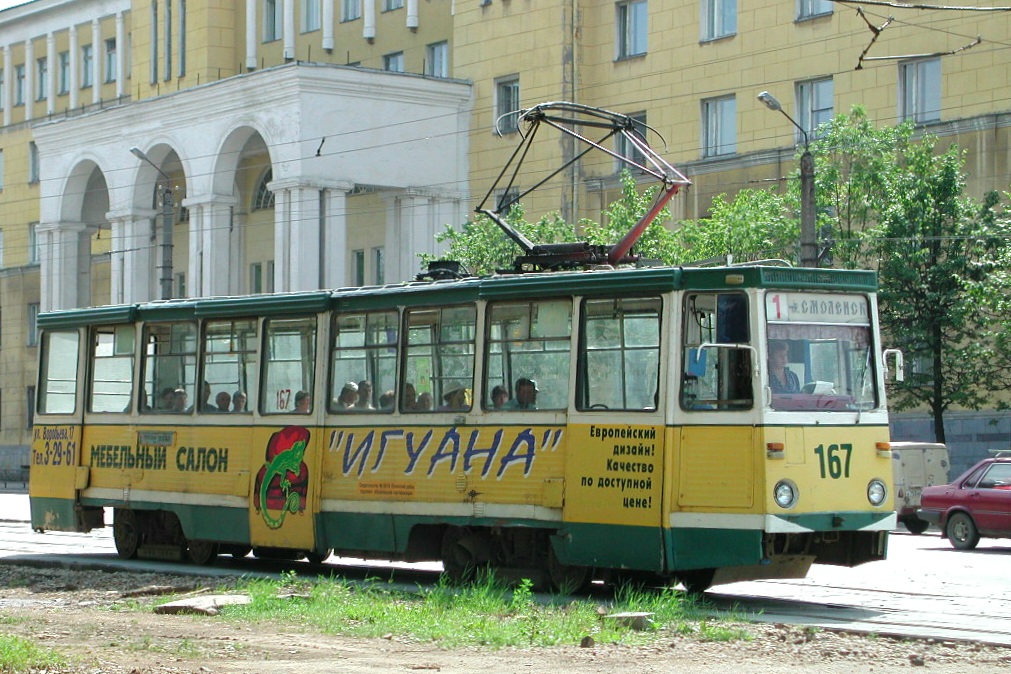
29 90
327 19
63 269
212 253
335 259
96 61
75 81
121 47
297 236
369 19
8 85
54 71
251 34
133 264
412 14
414 217
288 30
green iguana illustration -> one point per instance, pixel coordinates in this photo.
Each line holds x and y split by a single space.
288 461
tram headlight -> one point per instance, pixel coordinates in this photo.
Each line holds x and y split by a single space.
785 493
877 492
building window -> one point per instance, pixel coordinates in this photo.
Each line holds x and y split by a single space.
264 198
507 100
632 28
626 148
389 5
378 265
1 189
811 8
920 90
33 243
814 104
272 20
110 61
719 18
86 68
33 162
719 126
255 278
63 79
310 16
41 78
351 10
394 62
358 267
1 249
437 59
182 38
19 84
3 97
33 324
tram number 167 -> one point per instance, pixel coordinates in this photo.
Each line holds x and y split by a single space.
831 459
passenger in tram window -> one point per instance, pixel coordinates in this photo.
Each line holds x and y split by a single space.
526 395
781 378
364 396
302 403
457 399
222 400
348 397
179 399
166 400
410 401
425 402
499 396
238 402
205 399
387 399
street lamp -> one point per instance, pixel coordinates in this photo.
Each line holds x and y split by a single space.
167 205
808 243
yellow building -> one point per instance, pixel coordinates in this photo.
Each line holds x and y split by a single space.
154 148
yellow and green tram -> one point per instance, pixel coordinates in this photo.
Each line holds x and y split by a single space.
565 426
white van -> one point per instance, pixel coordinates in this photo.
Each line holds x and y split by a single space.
916 465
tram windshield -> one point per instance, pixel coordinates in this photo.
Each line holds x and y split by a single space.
820 352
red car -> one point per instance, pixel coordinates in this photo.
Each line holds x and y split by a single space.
977 503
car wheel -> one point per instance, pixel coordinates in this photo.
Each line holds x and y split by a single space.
962 532
914 524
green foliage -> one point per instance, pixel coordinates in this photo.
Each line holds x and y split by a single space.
21 655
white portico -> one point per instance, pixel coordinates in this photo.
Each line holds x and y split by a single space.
308 136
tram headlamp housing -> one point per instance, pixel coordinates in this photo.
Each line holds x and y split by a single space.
877 492
785 493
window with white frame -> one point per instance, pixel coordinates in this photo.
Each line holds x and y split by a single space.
920 90
815 104
19 84
63 79
378 265
33 243
3 97
811 8
1 249
255 278
263 198
1 173
358 267
33 324
351 10
507 100
310 16
87 55
394 62
111 72
625 146
389 5
719 18
41 78
719 126
33 162
632 26
437 59
272 20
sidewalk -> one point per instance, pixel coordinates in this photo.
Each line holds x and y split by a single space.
14 507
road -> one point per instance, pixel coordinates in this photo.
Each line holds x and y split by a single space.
924 589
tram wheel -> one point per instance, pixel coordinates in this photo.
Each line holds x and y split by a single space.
319 557
566 578
696 581
202 553
962 531
457 560
126 532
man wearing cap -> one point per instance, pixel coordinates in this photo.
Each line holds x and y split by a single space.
348 397
526 395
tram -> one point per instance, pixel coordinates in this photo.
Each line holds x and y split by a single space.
700 424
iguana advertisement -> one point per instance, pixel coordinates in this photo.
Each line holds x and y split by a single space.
283 482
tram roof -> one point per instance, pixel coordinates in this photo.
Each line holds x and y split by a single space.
500 287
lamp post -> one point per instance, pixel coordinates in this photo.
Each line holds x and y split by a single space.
167 204
808 243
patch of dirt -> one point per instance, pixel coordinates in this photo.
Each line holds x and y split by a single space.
92 618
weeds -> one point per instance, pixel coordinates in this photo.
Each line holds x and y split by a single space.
21 655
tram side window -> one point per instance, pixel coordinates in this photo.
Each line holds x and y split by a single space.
439 361
529 340
170 367
112 355
363 353
58 376
716 372
288 366
620 354
229 365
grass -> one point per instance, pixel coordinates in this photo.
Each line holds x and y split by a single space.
21 655
484 613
